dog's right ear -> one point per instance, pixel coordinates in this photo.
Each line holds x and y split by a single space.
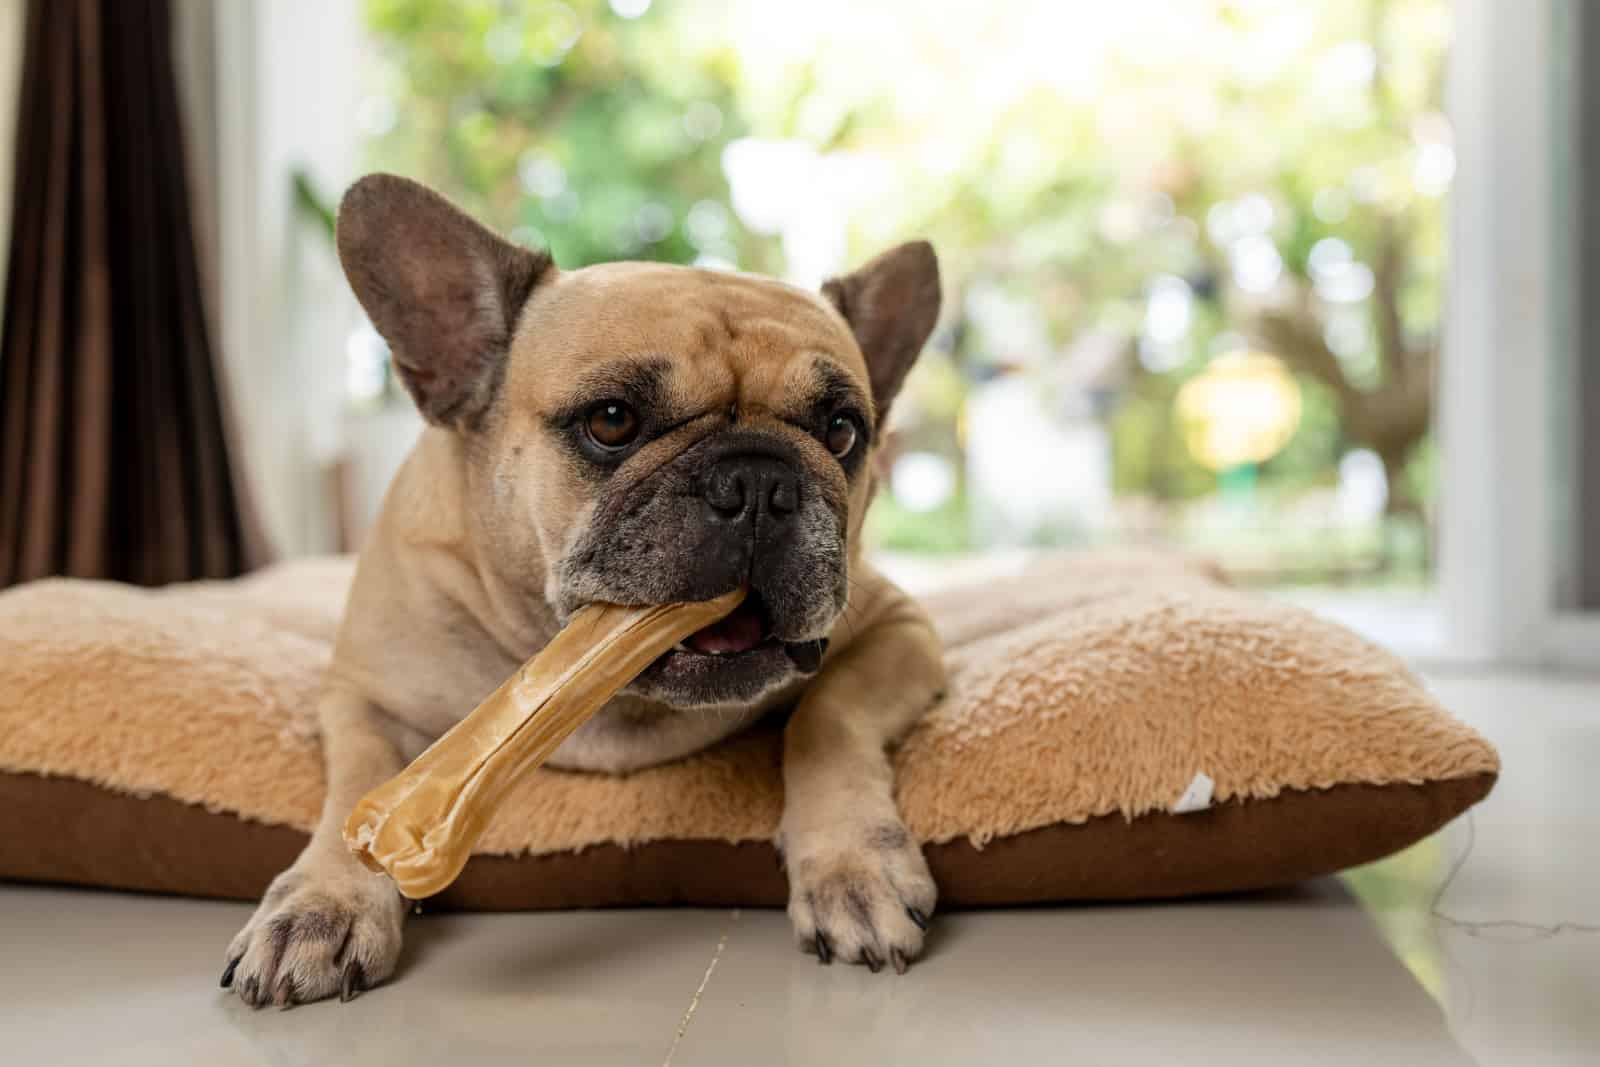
443 290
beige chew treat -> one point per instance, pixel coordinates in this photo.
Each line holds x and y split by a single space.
422 824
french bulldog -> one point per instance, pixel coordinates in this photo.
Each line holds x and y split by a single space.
632 433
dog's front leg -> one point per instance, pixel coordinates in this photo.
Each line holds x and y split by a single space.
327 924
859 889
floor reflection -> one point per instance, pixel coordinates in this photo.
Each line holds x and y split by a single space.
1398 893
1302 976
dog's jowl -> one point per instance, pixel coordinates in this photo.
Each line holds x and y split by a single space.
631 433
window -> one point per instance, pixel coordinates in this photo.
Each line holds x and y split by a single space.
1193 254
1296 284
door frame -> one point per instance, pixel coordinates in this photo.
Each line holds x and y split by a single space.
1507 410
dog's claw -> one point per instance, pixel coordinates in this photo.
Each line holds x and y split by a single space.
354 982
283 996
227 972
871 960
918 917
824 950
249 992
898 959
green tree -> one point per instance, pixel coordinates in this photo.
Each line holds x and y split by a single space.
563 124
1281 167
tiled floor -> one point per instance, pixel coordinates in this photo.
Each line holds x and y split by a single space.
1342 971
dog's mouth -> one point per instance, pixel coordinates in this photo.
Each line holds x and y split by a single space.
744 634
745 628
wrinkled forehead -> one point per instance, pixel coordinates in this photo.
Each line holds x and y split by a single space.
716 335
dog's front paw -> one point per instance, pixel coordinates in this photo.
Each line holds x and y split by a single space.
863 896
316 936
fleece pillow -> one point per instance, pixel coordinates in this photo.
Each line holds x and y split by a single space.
1117 726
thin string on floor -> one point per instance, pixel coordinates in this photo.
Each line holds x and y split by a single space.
1482 928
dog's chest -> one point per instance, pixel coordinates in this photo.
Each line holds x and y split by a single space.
627 735
462 668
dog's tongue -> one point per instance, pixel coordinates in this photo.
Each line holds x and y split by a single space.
739 632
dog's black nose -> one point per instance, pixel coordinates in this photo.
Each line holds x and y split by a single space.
746 487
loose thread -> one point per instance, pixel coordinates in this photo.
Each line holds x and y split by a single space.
1477 928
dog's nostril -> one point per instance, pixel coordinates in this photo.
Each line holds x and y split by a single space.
725 491
784 497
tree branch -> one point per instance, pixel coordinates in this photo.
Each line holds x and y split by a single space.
1293 337
1388 275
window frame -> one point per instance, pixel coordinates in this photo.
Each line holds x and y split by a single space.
1506 408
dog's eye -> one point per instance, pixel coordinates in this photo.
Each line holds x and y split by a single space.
841 435
612 424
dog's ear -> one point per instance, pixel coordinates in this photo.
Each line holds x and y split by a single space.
891 305
441 289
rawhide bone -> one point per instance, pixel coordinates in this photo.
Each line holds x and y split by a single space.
422 824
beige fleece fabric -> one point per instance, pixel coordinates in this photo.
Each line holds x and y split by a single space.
1086 686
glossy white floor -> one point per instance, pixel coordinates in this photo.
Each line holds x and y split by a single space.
1344 971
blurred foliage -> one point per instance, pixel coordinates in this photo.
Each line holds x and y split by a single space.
562 124
1279 166
942 530
1147 443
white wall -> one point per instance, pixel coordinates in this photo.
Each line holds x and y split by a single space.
286 97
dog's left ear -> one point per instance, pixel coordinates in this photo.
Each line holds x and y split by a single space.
891 305
444 291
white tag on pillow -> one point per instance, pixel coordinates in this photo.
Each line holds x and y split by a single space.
1197 797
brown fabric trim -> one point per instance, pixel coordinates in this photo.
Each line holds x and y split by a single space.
65 830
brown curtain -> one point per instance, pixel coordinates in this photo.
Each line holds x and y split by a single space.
114 446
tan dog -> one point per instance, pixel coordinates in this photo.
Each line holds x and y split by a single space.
633 433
